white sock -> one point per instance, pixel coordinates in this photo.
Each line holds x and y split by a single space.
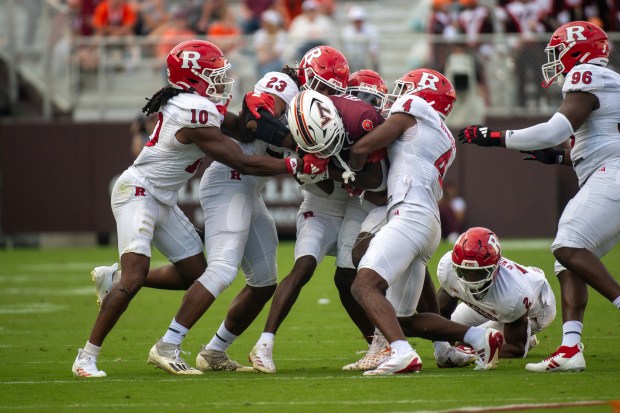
401 346
175 333
91 349
267 338
440 346
473 335
571 333
116 277
222 339
617 302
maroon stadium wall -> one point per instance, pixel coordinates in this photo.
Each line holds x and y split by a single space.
57 177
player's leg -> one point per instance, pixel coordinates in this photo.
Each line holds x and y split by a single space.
260 269
228 213
355 216
317 235
586 232
388 258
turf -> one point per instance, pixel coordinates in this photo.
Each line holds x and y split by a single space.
47 307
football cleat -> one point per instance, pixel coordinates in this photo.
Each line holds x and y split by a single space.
261 358
167 357
454 357
102 276
409 362
564 359
487 349
215 360
86 366
377 353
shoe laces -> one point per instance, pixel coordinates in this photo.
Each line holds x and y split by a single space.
177 355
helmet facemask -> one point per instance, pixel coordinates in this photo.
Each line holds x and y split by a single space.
219 87
314 81
476 280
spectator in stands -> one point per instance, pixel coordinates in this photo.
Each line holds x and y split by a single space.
270 43
169 35
225 32
443 24
457 204
289 10
309 29
212 11
114 18
117 18
360 41
82 25
253 10
452 208
152 14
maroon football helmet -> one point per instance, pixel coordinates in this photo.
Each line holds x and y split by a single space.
475 258
199 67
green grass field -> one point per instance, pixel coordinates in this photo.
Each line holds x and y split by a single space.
47 307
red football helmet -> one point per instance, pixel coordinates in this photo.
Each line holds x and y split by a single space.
428 84
571 44
475 259
198 66
368 86
324 65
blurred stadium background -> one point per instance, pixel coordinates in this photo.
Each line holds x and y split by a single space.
69 98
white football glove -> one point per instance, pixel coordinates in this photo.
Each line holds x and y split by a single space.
312 178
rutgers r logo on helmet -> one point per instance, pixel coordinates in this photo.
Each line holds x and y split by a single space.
188 57
428 81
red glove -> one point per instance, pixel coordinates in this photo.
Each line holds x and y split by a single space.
255 101
310 164
223 110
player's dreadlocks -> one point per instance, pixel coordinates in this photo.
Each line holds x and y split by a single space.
160 98
292 73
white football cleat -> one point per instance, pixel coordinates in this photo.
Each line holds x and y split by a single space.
261 358
167 357
102 276
86 366
454 357
564 359
487 349
409 362
215 360
377 353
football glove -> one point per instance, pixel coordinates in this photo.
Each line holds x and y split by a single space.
480 135
254 101
548 156
310 164
312 178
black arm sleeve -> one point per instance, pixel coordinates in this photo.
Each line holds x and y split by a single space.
269 129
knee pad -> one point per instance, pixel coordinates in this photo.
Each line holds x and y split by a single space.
217 277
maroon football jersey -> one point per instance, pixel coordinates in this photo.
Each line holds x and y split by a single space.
359 118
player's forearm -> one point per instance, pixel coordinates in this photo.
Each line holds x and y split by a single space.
511 350
544 135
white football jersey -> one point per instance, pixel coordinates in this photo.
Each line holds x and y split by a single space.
274 83
420 157
165 164
515 290
597 141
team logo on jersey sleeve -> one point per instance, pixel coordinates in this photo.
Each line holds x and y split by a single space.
367 125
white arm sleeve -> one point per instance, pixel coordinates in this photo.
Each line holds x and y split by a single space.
544 135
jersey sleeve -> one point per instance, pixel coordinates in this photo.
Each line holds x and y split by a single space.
584 78
412 105
193 111
443 272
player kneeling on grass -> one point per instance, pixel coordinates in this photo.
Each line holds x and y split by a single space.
494 291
